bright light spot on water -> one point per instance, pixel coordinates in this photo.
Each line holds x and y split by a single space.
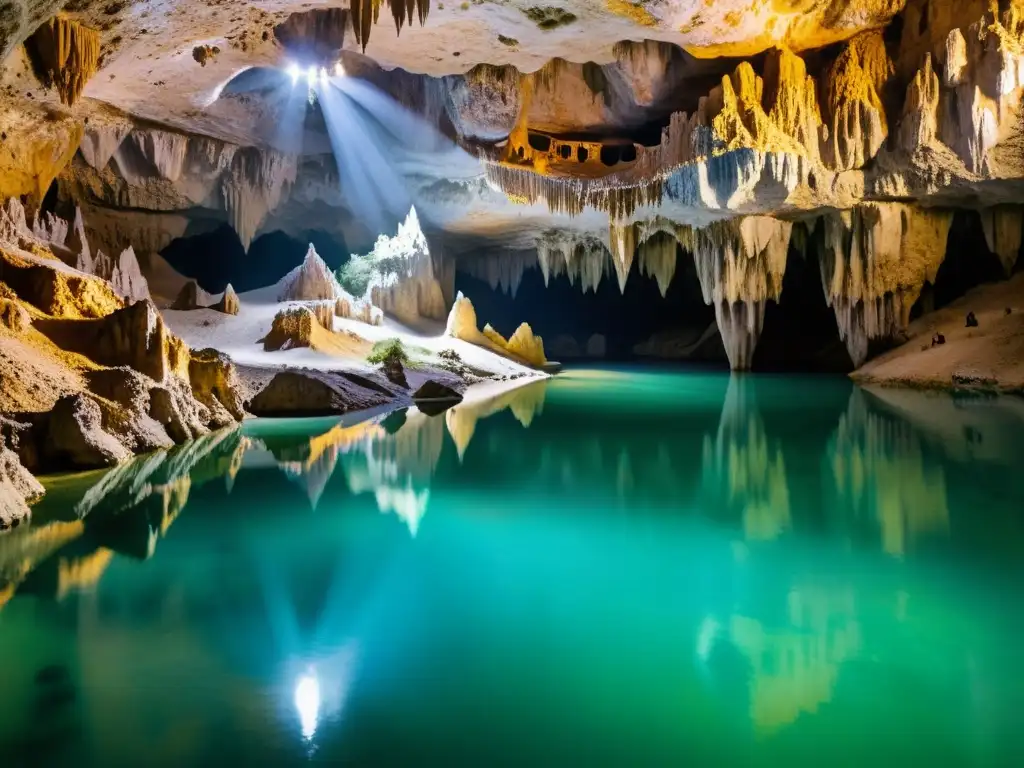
307 702
323 75
311 74
706 638
294 72
339 71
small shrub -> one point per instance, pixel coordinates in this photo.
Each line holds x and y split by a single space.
355 275
388 352
449 356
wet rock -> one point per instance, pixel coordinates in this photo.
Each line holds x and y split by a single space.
17 489
75 435
313 393
433 397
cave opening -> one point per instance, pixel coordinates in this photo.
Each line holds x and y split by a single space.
216 257
800 332
968 264
610 322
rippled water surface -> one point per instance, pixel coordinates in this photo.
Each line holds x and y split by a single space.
622 568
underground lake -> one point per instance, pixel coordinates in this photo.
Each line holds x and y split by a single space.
616 566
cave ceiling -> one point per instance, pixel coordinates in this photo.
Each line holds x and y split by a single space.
590 118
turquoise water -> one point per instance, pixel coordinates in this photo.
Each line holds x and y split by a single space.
622 568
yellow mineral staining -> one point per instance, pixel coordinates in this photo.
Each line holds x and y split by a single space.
68 54
365 13
634 11
522 346
854 112
795 667
83 572
881 473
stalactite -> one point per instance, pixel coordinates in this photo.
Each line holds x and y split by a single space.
1004 233
68 54
875 261
658 259
584 259
740 325
623 248
365 14
502 272
856 119
255 185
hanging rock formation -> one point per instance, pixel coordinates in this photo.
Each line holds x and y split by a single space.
874 263
68 54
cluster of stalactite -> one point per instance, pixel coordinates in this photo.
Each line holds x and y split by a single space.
67 54
965 86
570 196
366 12
502 272
584 259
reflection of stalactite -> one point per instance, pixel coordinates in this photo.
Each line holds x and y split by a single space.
320 456
741 465
795 669
881 473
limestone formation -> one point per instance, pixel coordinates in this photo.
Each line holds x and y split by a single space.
229 303
292 327
75 436
215 384
17 489
188 297
522 346
312 280
68 55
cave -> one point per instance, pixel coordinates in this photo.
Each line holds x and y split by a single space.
513 384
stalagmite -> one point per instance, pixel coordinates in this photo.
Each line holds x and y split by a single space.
68 54
920 123
522 346
855 116
875 261
658 259
312 280
1004 233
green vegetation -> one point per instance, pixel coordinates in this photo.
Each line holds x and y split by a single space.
549 17
388 352
449 356
355 274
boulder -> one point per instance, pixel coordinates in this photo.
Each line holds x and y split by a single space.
215 384
75 435
17 489
313 393
292 327
229 303
433 397
13 316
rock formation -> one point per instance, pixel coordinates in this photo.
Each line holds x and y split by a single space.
522 346
68 55
314 393
229 303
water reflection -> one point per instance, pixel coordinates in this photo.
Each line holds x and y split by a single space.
754 548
